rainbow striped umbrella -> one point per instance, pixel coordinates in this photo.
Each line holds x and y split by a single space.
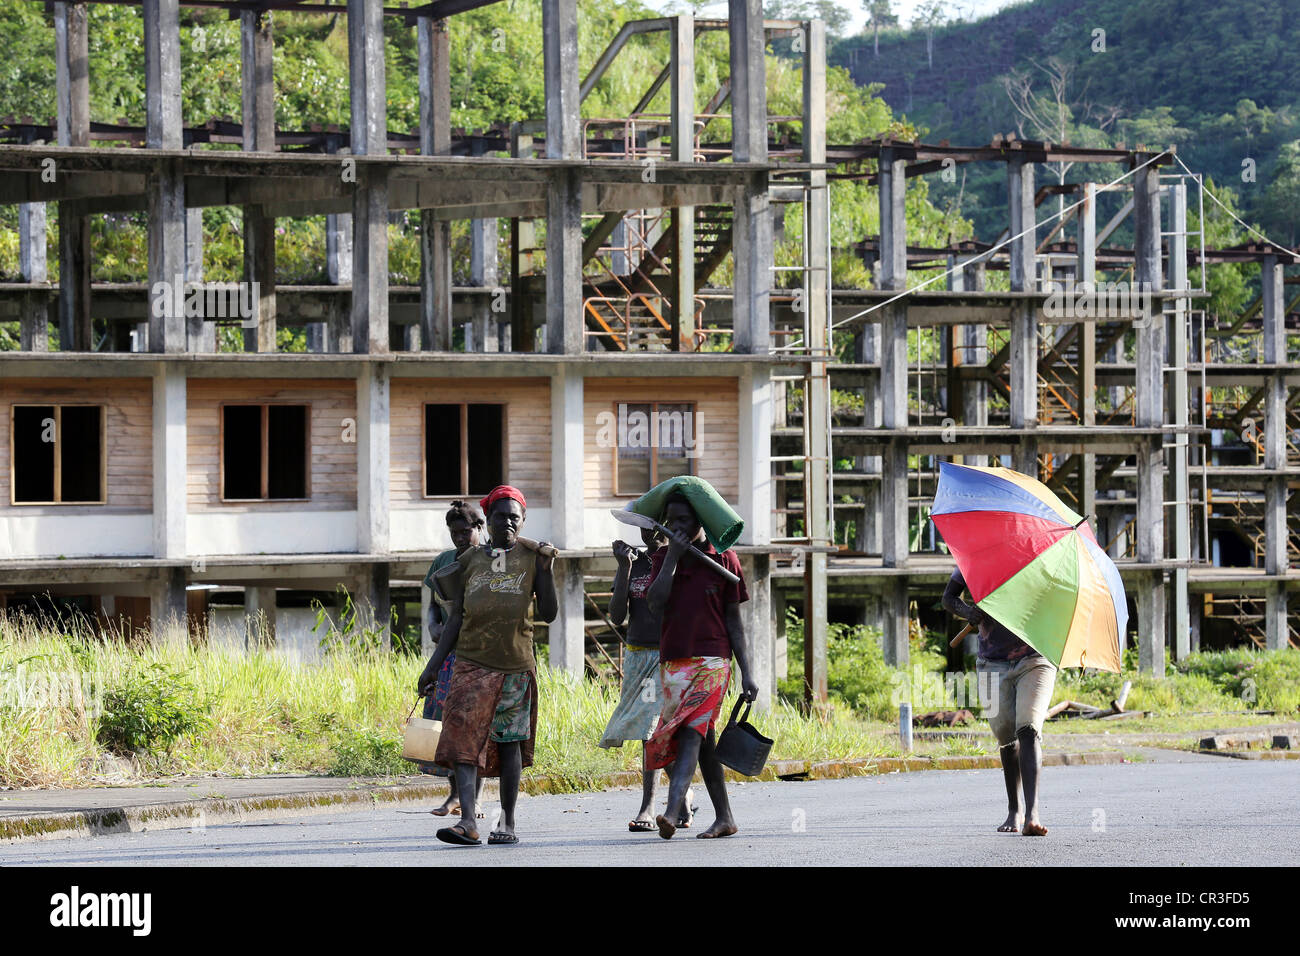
1033 564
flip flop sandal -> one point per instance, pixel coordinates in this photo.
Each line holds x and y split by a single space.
501 838
641 826
443 811
457 836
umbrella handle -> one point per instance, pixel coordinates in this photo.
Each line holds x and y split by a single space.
962 635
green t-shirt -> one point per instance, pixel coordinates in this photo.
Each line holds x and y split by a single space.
496 629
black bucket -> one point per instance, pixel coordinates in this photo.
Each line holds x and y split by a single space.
740 746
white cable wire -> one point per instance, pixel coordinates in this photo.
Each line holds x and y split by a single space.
1240 221
992 249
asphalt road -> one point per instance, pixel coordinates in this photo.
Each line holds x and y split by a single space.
1205 811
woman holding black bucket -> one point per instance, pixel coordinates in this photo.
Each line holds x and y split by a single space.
701 632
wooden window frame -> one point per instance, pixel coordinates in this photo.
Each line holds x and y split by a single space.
58 458
266 463
654 441
464 444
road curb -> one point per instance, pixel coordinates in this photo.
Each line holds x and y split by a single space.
197 814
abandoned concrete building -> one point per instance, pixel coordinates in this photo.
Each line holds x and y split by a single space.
150 476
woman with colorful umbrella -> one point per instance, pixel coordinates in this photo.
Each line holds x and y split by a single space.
1046 596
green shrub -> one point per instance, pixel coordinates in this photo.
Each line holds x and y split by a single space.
148 708
368 753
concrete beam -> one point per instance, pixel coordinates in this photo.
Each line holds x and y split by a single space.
752 221
565 323
167 267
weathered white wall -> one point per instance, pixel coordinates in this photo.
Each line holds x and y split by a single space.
75 535
271 532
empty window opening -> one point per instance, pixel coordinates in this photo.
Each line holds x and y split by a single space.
464 448
264 452
58 454
656 441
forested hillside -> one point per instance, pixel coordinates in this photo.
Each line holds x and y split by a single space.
1220 81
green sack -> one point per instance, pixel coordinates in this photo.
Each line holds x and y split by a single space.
722 526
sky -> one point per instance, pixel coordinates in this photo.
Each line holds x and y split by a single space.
904 9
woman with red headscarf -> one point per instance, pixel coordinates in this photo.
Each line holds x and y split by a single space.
490 720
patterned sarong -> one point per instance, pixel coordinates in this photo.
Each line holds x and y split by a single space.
693 688
433 708
638 707
484 708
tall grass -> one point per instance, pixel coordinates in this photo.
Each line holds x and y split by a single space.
258 712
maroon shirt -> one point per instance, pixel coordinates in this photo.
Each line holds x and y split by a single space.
695 618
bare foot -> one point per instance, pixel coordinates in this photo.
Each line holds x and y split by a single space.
1034 828
719 829
1011 824
666 829
688 814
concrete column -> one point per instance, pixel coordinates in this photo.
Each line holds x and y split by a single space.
754 454
567 640
201 335
370 199
895 633
565 324
434 47
373 602
1086 272
373 459
756 616
259 617
866 347
975 394
1276 560
484 273
167 611
893 367
169 460
165 184
426 636
567 635
1023 358
1180 533
682 67
257 51
335 333
1150 412
34 327
72 83
752 223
